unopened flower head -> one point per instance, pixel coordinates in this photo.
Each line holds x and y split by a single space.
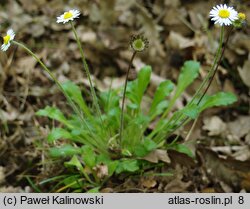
139 43
68 16
7 40
223 15
242 16
241 21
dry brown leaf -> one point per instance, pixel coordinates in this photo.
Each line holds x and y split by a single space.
157 155
232 172
214 125
240 42
149 183
26 64
173 3
11 189
177 184
11 115
242 154
177 41
247 139
101 171
240 127
107 190
245 73
33 5
151 30
2 175
208 190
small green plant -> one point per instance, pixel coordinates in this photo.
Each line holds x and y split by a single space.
97 143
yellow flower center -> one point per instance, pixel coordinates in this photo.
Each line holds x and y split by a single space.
224 13
6 39
242 16
67 15
138 44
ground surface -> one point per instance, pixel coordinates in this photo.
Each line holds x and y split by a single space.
177 31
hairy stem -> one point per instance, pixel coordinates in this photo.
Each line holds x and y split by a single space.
51 75
123 99
212 69
86 68
209 78
71 103
204 82
217 65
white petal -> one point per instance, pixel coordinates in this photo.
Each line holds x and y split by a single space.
220 7
75 14
4 47
213 13
11 33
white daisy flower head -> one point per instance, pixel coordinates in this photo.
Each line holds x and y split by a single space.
7 39
223 14
68 16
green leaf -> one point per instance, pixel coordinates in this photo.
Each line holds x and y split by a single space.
112 118
127 166
101 158
191 111
75 163
94 190
189 72
64 151
140 151
53 113
145 148
159 109
159 174
149 145
136 88
58 133
132 106
162 91
89 156
183 149
74 92
73 182
109 100
134 131
112 165
219 99
143 81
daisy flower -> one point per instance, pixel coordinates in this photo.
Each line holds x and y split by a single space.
223 15
68 16
139 43
7 39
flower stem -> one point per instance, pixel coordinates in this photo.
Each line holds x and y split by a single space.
86 68
123 99
51 75
71 103
204 82
209 78
217 65
212 69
